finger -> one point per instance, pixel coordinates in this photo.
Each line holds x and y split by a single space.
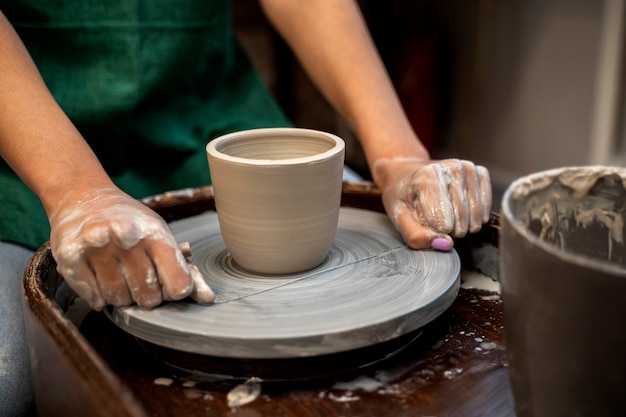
418 236
442 243
473 197
141 278
486 192
457 194
109 276
135 264
172 270
202 293
432 203
98 253
82 281
128 232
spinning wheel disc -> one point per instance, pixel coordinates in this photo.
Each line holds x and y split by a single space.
371 288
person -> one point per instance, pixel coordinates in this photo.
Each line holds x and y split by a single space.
102 103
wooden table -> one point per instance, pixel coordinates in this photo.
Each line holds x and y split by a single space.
84 365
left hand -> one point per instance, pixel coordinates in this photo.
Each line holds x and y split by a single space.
430 202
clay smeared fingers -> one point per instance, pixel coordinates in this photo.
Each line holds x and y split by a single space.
83 282
414 234
106 269
432 200
474 199
486 192
172 270
140 276
457 194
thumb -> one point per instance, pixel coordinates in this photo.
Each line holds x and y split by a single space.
419 236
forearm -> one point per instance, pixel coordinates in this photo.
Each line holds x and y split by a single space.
37 139
333 44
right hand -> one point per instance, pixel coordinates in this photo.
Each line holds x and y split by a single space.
432 201
112 249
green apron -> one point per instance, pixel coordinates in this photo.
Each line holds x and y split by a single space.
147 82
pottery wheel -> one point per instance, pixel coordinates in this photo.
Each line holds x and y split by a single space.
370 289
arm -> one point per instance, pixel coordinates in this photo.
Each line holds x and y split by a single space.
426 200
36 138
110 248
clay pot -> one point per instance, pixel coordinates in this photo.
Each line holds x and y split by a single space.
277 195
563 275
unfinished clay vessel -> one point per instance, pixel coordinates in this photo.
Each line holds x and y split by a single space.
277 194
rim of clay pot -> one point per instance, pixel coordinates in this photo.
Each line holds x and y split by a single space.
542 179
213 146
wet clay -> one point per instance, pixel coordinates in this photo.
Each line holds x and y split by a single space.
579 211
277 194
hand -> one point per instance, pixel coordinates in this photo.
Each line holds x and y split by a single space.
430 202
112 249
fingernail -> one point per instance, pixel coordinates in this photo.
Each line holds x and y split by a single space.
442 244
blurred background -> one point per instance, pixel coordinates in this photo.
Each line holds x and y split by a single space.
518 85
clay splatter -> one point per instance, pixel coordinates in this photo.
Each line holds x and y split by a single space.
245 393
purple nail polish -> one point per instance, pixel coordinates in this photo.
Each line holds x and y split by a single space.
441 244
